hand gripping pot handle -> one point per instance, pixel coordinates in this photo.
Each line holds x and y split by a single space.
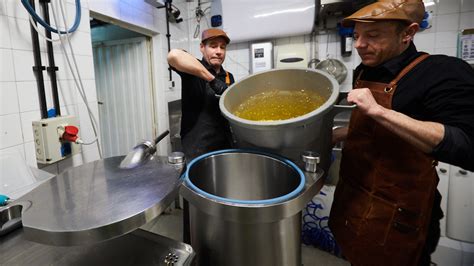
337 108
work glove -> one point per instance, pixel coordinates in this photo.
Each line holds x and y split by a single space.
218 86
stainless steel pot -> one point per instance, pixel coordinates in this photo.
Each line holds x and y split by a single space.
245 208
312 131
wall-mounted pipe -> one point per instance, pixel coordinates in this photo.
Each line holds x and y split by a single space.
52 67
38 68
168 11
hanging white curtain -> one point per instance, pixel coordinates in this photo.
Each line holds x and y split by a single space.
124 91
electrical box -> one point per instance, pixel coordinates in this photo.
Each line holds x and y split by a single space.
261 56
50 144
291 56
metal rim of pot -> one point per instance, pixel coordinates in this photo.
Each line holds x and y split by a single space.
276 200
296 120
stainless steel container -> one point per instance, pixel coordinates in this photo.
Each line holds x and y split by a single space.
245 208
312 131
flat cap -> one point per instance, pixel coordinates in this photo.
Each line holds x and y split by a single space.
405 10
214 33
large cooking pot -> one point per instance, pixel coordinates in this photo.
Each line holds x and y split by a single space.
290 137
245 208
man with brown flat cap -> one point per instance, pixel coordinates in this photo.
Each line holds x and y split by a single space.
413 109
203 128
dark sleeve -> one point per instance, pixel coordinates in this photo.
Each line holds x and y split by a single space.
456 148
450 101
181 74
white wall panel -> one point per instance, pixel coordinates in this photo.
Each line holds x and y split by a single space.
7 72
8 98
10 129
5 41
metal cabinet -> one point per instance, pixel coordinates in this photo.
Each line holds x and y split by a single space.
460 205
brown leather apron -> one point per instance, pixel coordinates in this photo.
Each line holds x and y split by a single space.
383 201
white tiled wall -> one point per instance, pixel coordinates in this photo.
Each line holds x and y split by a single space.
18 89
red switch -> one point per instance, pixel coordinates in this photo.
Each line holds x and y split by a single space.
70 133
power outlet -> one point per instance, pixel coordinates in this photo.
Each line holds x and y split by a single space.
50 148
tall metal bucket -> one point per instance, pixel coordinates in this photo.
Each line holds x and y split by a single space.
290 137
245 208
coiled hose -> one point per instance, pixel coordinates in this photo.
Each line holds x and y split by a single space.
315 231
35 16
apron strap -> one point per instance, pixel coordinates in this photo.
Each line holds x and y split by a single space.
408 69
227 78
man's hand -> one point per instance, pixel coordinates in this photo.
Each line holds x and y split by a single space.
218 86
365 102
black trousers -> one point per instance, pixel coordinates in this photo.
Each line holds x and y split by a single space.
434 232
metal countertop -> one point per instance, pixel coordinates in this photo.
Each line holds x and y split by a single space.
98 201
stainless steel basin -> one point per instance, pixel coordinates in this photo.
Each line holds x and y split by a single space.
264 178
10 218
245 208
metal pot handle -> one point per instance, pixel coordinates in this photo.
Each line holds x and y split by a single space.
337 108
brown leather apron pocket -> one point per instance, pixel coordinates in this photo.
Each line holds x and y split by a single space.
406 225
378 220
351 208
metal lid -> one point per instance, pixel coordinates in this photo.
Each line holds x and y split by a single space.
98 201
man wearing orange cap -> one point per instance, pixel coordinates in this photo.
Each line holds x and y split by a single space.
203 128
413 109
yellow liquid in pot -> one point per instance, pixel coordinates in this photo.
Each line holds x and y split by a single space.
279 105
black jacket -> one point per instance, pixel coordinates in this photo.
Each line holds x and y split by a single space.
203 128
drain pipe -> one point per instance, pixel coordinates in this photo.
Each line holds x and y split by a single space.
38 68
168 35
52 67
168 9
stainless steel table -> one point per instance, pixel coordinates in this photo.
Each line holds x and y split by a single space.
98 201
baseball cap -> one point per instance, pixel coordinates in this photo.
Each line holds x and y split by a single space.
214 33
405 10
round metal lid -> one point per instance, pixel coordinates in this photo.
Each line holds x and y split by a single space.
98 201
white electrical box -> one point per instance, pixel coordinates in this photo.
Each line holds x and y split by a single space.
261 56
49 145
